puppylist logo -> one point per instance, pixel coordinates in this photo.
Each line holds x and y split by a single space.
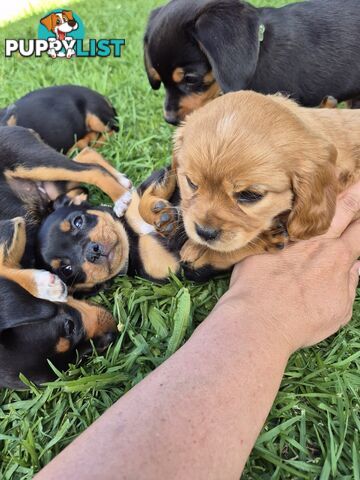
61 35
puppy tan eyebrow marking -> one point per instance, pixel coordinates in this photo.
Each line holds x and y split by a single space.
209 78
65 226
178 75
55 264
63 345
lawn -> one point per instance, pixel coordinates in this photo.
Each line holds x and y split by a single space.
313 429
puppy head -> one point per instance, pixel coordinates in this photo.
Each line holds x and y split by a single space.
60 22
33 331
196 66
85 246
245 159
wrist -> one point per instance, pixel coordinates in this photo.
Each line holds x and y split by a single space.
250 318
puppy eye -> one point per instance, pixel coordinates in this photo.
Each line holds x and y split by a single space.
192 79
191 184
58 21
78 222
69 327
66 270
248 196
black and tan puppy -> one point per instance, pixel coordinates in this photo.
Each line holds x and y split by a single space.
33 175
64 116
32 330
199 49
38 321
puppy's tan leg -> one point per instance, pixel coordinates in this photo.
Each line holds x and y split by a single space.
154 206
84 142
197 256
90 156
39 283
117 188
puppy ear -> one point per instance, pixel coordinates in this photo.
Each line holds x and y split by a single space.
48 21
18 307
68 14
152 74
77 196
228 33
178 138
315 189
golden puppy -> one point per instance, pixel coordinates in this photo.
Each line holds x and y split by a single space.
247 164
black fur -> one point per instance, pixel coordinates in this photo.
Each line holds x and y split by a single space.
58 113
309 50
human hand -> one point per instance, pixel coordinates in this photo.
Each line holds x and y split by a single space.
305 293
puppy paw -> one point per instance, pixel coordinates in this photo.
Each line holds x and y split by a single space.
49 286
276 238
124 181
70 53
165 218
192 253
122 204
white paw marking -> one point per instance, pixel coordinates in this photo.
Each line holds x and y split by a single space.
50 287
124 181
122 204
51 52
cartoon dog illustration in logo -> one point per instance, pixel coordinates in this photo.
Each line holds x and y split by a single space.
61 24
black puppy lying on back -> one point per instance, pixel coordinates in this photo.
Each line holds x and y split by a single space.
198 49
33 330
35 323
65 117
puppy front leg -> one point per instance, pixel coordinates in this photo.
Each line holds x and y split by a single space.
91 156
155 207
39 283
117 188
197 256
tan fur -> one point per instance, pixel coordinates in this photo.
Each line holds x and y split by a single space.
88 155
63 345
65 226
192 102
68 14
11 121
10 260
96 320
155 193
111 234
149 67
178 75
103 180
298 158
157 261
49 21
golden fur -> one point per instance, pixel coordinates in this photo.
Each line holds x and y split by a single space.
299 159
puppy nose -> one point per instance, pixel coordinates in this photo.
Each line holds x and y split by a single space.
207 233
93 252
72 23
171 117
105 340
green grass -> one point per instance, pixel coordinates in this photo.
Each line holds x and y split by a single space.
313 429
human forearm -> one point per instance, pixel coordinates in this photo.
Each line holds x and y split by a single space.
197 416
